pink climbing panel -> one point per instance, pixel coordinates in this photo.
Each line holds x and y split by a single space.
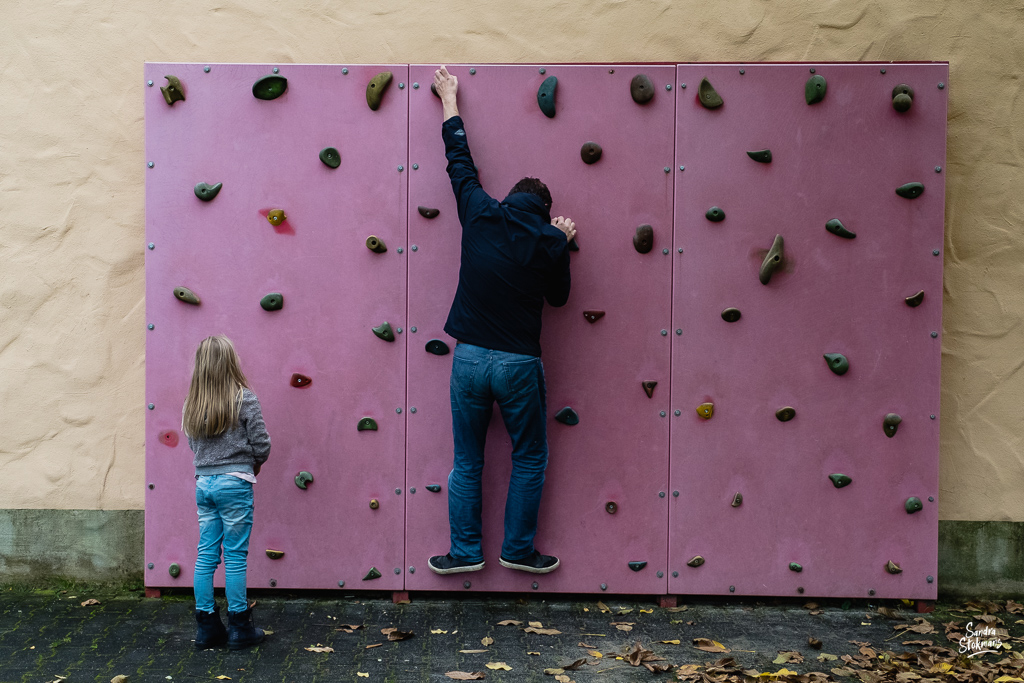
618 453
335 290
841 158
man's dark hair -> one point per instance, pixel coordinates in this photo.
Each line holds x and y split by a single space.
533 186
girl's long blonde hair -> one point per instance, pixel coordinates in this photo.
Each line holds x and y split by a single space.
215 393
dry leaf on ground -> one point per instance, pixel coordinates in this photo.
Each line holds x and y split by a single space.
552 671
536 624
90 602
347 628
575 665
498 665
562 678
319 648
825 657
223 678
466 676
542 631
394 634
708 645
810 605
472 652
787 656
533 653
487 640
669 642
362 674
438 630
510 622
603 607
595 654
374 645
680 608
120 678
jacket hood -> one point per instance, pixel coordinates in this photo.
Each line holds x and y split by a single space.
526 201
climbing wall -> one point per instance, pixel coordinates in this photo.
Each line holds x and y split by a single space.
604 502
232 251
755 501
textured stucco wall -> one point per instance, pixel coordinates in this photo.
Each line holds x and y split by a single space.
72 174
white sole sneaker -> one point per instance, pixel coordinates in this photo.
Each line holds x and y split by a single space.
527 568
456 570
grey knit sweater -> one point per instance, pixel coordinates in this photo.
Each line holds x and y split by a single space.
237 449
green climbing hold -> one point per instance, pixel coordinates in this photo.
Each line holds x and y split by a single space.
641 89
546 96
567 416
910 190
643 239
173 92
840 480
269 87
376 87
796 567
893 568
837 363
385 332
207 192
772 260
174 570
785 414
376 244
272 302
695 561
275 554
715 214
708 96
915 300
902 97
891 423
331 157
836 227
303 479
437 347
186 295
637 566
814 89
367 424
761 156
374 573
913 505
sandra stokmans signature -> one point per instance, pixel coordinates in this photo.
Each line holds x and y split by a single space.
983 641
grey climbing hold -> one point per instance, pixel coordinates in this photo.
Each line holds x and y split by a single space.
303 479
772 260
643 239
437 347
737 500
762 156
367 424
913 505
428 212
269 87
837 363
637 566
814 89
186 295
331 157
836 227
731 315
715 214
590 152
915 300
434 488
567 416
272 302
840 480
910 190
708 96
902 97
174 570
641 89
207 192
375 89
384 331
546 96
890 423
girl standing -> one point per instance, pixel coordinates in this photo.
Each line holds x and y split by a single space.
224 426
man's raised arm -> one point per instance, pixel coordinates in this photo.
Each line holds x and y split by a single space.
461 169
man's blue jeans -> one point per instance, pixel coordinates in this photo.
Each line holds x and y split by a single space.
225 518
479 378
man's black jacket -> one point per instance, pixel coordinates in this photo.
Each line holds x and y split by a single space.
512 259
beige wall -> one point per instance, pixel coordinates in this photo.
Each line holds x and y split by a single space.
72 210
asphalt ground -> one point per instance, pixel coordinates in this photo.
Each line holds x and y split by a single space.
49 636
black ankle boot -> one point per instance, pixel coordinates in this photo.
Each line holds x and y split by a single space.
241 632
210 631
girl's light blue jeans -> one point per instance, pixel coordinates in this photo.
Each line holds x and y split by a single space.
225 505
481 377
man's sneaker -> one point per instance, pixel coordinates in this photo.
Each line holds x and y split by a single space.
535 563
446 564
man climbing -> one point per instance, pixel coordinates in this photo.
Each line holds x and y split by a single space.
514 256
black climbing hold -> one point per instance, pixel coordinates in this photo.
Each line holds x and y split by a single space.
207 192
269 87
433 89
374 573
891 423
272 302
567 416
275 554
643 239
637 566
573 246
796 567
648 386
611 508
173 92
300 380
427 212
836 227
593 316
785 414
840 480
915 300
814 89
303 479
174 570
590 152
376 87
641 89
437 347
910 190
913 505
762 156
384 331
737 500
715 214
772 260
376 244
434 488
695 561
731 315
367 424
902 97
708 96
837 363
546 96
893 568
187 295
331 157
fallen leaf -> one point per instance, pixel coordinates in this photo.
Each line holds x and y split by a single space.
825 657
865 623
536 624
368 647
669 642
816 612
542 631
1008 679
1014 607
595 654
582 644
562 678
347 628
889 612
586 609
394 634
438 630
362 675
267 632
575 665
926 643
120 678
223 678
599 635
319 648
708 645
554 671
814 642
811 605
603 607
487 640
646 611
510 622
533 653
472 652
498 665
680 608
623 610
624 627
90 601
466 676
787 656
